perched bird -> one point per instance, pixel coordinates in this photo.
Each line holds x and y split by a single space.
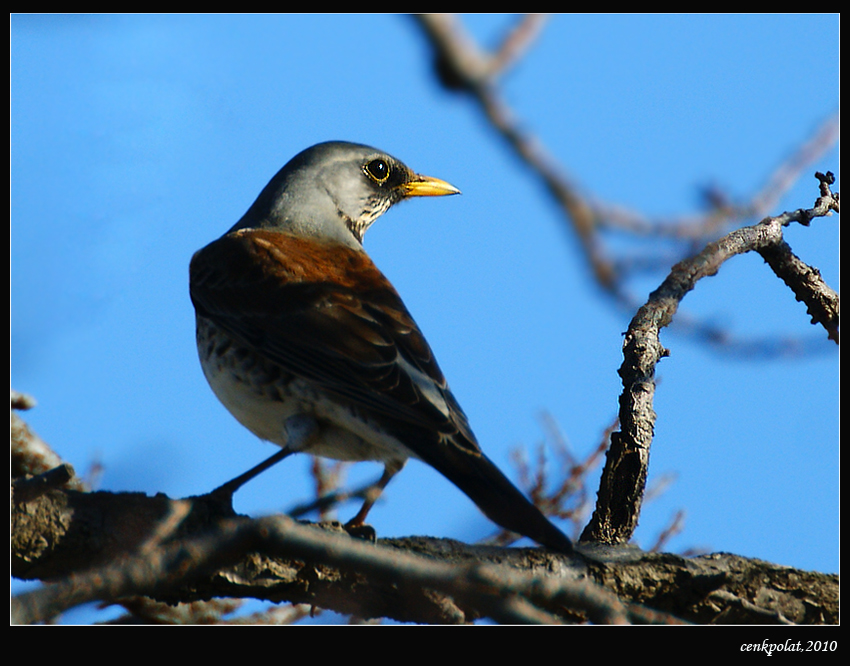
310 347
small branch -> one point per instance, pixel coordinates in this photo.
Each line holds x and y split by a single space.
462 65
624 477
327 495
517 42
27 489
806 281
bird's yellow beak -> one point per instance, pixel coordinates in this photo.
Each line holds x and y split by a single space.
426 186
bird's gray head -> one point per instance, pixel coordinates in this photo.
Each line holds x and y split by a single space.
336 190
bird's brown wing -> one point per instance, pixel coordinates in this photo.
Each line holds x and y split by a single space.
325 312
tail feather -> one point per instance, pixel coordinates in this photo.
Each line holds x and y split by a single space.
499 499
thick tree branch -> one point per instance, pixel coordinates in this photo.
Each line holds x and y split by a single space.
210 554
182 551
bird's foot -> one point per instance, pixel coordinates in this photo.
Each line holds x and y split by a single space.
361 531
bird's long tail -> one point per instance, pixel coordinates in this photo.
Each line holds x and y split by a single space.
500 500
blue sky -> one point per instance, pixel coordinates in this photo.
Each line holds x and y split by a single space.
136 140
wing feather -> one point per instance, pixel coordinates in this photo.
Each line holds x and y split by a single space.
324 312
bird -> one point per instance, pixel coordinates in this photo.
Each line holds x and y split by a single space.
310 347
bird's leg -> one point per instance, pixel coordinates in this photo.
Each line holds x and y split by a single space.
227 489
299 430
372 495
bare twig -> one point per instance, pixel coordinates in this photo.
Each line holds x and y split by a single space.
517 42
569 499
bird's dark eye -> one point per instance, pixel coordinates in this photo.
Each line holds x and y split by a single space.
378 170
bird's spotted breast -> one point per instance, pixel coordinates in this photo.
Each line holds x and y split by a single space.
262 396
256 392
